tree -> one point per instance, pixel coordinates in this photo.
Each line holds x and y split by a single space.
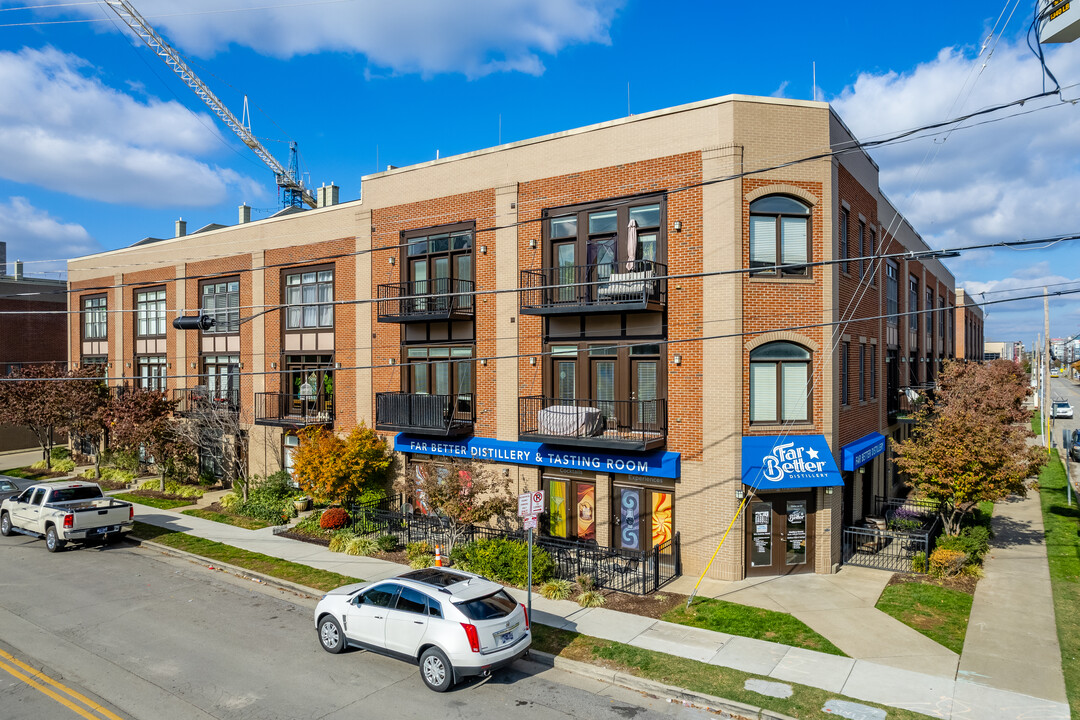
461 493
139 419
82 403
32 397
970 443
329 467
213 429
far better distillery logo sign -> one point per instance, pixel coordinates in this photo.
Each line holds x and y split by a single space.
788 461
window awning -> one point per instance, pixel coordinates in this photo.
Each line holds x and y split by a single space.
788 461
856 454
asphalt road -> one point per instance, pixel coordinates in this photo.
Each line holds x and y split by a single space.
145 636
1064 389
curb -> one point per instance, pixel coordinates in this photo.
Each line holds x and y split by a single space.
731 708
243 573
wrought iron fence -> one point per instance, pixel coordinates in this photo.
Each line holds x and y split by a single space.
293 410
442 297
638 424
877 546
885 506
599 285
450 414
637 572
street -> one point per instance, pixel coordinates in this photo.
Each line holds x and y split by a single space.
1065 389
151 637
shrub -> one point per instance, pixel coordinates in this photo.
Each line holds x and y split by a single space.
973 541
310 525
506 561
39 465
59 453
121 460
946 563
65 465
231 502
340 540
362 546
422 561
585 581
150 485
416 549
387 543
90 474
121 476
918 563
591 599
557 589
334 519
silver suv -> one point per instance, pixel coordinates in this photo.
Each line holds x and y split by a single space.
454 624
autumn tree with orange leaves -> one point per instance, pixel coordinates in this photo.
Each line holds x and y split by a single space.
335 469
970 442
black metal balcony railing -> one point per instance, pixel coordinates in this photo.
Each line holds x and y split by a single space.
426 300
602 287
291 410
910 399
447 415
613 424
201 399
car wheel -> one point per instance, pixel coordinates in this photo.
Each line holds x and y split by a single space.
330 636
52 540
436 670
5 525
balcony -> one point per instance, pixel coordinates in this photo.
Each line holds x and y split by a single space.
909 400
608 287
635 425
426 300
199 400
422 414
289 410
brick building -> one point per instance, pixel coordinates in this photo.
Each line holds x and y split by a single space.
969 328
639 317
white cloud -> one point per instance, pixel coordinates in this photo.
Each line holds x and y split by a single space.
1004 180
475 38
63 129
33 235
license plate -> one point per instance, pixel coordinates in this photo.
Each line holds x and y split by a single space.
505 638
102 530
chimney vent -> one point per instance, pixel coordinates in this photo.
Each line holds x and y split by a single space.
18 270
327 195
181 228
245 213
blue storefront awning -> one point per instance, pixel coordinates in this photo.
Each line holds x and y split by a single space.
788 461
856 454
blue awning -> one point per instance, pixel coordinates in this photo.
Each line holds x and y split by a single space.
856 454
788 461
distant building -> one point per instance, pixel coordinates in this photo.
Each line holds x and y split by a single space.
969 328
29 336
998 350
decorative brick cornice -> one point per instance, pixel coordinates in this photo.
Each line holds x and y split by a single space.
787 335
783 189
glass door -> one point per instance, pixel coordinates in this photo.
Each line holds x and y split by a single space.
565 257
795 534
760 556
779 535
440 283
628 515
419 275
603 391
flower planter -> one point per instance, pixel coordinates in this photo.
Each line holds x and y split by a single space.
302 504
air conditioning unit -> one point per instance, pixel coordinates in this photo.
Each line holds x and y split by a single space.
1059 21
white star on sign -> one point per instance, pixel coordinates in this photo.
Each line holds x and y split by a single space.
812 453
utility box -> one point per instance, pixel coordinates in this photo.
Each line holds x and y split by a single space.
1059 21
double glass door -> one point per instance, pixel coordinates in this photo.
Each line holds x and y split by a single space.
780 535
643 517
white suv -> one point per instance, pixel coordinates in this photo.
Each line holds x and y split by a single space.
454 624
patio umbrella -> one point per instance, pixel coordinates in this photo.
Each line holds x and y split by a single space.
631 244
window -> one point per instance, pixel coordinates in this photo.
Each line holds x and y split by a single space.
151 372
571 511
892 293
779 377
862 372
871 250
221 301
440 370
412 601
222 377
845 351
842 253
309 296
95 323
941 316
913 304
435 260
380 596
619 380
291 443
779 235
928 306
873 371
150 313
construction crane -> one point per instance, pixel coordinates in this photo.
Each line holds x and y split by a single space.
294 194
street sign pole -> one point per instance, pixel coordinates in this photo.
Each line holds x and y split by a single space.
530 575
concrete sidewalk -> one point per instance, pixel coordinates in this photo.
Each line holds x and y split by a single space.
937 696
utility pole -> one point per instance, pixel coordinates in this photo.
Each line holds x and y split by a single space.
1046 365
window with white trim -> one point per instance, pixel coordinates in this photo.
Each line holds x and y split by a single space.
309 296
779 383
150 313
95 323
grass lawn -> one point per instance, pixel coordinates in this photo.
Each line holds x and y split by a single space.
27 474
751 622
805 702
248 523
1062 526
939 613
160 503
1036 423
253 561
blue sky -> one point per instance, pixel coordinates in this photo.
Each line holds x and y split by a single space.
101 145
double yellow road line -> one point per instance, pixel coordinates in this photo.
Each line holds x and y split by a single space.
76 702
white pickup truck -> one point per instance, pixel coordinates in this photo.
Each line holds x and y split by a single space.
66 512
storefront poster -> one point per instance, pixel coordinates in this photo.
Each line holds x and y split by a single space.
557 509
586 512
630 518
661 517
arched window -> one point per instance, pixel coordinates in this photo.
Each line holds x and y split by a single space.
779 383
779 235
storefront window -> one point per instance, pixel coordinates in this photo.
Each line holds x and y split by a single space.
571 509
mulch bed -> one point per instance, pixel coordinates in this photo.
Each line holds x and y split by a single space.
652 606
161 495
963 583
112 484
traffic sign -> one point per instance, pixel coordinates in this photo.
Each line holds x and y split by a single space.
532 522
530 504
